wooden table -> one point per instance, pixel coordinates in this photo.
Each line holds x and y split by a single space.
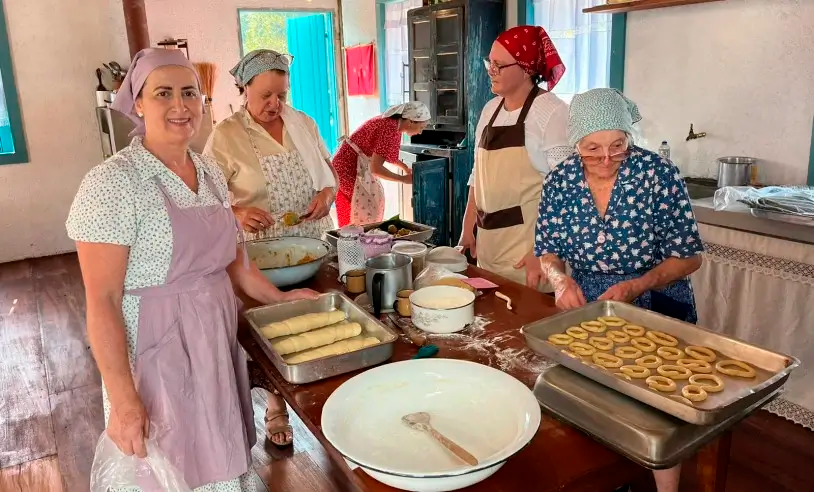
558 458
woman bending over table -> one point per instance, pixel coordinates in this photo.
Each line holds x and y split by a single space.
620 217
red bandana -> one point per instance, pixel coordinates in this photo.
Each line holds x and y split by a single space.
534 52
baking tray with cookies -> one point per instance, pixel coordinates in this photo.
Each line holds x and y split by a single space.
694 374
311 340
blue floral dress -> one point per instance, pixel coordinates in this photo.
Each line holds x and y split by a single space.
649 218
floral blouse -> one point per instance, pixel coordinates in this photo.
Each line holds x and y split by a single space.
649 217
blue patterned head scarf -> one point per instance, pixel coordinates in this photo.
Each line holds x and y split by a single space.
257 62
600 109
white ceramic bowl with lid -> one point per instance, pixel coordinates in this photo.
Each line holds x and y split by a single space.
487 412
442 308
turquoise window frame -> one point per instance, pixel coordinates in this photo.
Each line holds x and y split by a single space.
380 49
20 155
525 15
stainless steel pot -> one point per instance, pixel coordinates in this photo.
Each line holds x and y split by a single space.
387 274
735 171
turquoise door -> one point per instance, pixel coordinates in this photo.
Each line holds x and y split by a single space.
313 73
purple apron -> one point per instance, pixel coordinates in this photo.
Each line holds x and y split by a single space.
190 371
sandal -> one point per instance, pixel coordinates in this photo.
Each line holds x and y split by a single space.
271 430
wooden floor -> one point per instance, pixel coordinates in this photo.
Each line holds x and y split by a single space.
51 410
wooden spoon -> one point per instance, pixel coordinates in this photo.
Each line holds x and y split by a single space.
421 421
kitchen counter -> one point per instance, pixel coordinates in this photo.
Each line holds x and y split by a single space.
742 220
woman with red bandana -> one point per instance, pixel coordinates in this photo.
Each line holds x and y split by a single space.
521 134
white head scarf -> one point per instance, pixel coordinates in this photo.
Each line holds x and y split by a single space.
413 111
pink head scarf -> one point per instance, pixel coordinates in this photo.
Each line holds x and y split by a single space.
142 65
533 50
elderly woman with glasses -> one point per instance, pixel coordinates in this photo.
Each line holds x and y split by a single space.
620 217
521 136
278 171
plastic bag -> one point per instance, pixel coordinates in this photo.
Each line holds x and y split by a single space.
112 469
797 200
433 273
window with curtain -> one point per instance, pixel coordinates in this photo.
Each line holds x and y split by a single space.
12 140
395 50
583 41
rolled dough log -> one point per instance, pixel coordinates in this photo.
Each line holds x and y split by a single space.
317 338
338 348
300 324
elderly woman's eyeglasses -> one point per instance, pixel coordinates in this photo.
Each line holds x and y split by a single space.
599 159
493 68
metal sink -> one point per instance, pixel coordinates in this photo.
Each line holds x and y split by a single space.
700 187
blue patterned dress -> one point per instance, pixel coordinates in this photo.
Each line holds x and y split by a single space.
649 218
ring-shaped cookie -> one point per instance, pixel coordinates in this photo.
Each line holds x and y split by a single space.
662 338
621 375
636 372
741 369
607 360
649 361
670 353
660 383
602 343
630 353
703 380
694 393
577 332
700 353
674 372
695 365
612 320
644 344
634 330
593 326
680 399
581 348
560 339
595 366
618 336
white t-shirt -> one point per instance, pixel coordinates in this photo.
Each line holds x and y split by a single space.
546 130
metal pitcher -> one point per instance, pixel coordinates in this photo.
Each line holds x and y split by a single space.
387 274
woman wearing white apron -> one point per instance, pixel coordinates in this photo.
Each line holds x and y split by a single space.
273 156
157 245
275 163
359 162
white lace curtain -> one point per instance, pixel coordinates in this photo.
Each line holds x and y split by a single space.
395 50
583 41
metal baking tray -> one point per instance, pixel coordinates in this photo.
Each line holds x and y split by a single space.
325 367
773 369
421 233
644 435
805 220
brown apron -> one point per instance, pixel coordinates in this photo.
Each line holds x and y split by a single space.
507 195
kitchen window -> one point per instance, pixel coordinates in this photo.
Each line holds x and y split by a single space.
395 51
12 138
584 42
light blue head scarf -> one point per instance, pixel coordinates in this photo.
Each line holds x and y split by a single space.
257 62
598 110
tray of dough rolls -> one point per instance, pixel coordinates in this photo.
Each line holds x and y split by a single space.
311 340
696 375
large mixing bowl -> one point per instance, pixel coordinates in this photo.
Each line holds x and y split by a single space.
288 260
487 412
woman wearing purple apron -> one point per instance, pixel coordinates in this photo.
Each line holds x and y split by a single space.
156 240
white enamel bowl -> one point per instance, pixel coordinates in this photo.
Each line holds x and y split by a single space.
288 260
442 308
491 414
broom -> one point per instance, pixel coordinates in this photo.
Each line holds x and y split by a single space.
207 72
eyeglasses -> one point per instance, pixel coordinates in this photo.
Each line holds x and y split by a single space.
284 57
493 68
599 159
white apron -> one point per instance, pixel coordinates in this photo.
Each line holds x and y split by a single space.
367 202
289 188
